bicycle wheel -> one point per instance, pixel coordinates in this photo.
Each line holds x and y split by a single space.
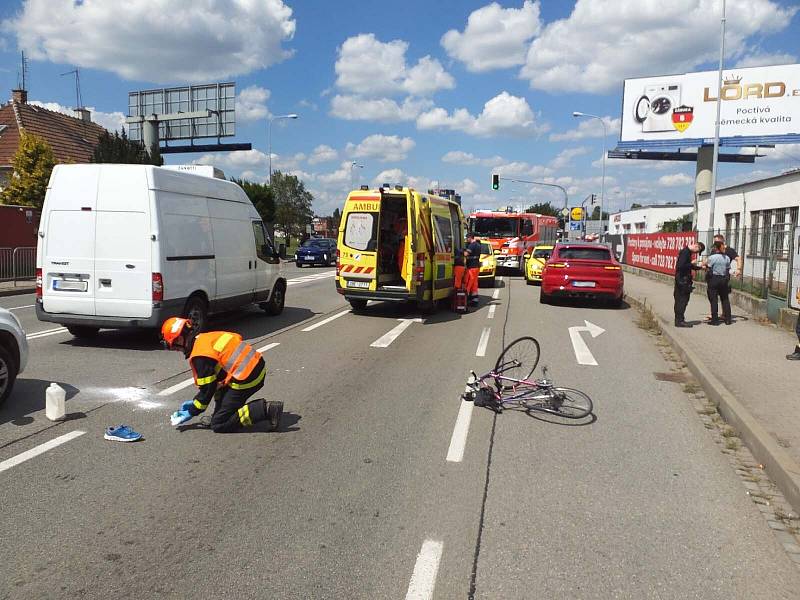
518 360
564 402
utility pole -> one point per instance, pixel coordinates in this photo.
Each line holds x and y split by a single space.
713 198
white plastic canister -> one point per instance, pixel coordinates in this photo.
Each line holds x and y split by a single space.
55 402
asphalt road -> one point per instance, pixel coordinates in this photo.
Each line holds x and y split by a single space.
355 496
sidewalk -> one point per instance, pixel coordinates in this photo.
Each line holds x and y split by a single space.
743 369
7 288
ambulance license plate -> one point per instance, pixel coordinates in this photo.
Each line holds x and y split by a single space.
358 284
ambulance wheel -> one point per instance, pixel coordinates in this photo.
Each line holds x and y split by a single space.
358 304
276 300
426 307
196 310
83 331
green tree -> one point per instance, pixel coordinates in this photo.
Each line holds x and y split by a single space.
683 223
292 205
543 208
32 165
120 149
261 196
596 214
337 218
635 205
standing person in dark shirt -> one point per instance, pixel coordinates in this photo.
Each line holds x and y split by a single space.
683 281
472 254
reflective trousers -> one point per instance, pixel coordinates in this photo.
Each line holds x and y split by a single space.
231 410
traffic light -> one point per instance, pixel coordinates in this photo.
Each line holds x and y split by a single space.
594 197
495 181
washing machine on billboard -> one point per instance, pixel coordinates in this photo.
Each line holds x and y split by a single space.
653 109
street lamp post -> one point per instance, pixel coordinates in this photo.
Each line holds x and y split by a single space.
713 197
269 138
353 166
603 180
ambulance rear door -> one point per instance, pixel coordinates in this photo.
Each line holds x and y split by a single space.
443 249
359 243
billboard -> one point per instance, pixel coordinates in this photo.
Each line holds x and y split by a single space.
681 109
216 97
656 251
794 292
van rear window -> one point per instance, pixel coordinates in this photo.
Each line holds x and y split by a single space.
360 230
585 253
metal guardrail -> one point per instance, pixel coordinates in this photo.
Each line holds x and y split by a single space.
17 264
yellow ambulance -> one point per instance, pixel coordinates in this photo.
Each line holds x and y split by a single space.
397 244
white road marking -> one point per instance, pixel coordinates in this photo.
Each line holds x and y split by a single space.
386 339
325 321
45 333
310 278
40 449
423 579
492 308
582 353
21 307
458 441
481 351
496 294
184 384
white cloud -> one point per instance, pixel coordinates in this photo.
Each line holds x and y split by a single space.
157 40
358 108
503 115
390 176
466 158
251 103
369 67
523 169
587 128
758 58
781 152
565 157
337 178
604 41
675 179
495 37
466 187
385 148
113 121
322 153
253 161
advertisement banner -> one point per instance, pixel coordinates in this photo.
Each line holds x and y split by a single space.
794 292
656 251
756 101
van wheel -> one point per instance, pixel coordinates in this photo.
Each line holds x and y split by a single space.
357 304
276 300
196 311
83 331
8 373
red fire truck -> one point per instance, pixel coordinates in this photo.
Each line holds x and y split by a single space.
511 234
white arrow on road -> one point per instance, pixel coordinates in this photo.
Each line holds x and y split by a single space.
582 352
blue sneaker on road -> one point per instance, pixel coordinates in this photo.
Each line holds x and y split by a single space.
123 433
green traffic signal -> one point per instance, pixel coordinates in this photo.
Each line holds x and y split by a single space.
495 181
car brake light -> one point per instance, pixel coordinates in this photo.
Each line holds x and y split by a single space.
612 268
419 268
556 265
158 287
38 284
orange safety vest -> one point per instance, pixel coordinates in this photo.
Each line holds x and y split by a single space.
236 357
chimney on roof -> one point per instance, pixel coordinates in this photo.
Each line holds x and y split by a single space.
83 114
20 96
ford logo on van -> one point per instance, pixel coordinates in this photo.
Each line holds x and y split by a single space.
62 263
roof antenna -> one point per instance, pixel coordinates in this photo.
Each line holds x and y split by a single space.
22 81
77 74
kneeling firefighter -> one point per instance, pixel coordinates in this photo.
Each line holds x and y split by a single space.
225 368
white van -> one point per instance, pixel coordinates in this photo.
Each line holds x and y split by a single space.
125 246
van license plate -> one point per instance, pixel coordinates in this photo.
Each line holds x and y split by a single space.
72 286
358 284
583 283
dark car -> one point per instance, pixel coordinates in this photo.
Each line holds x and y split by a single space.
316 251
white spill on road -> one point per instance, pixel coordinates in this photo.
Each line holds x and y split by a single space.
423 580
40 449
385 340
583 355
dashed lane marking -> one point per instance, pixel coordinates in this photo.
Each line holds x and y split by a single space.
310 278
496 294
21 307
40 449
386 339
483 342
325 321
45 333
423 579
492 308
458 441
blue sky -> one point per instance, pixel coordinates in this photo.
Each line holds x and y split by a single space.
415 91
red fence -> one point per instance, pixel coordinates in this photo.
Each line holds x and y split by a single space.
656 251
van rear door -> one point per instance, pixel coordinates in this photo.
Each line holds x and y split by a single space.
67 261
443 256
358 254
123 272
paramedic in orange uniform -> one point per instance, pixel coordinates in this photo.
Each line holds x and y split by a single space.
472 254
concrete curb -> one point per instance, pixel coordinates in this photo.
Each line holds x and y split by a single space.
18 291
780 466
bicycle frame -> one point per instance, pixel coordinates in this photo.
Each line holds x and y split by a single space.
538 384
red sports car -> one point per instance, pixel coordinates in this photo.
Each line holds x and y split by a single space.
581 269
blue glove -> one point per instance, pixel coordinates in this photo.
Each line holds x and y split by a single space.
187 404
179 417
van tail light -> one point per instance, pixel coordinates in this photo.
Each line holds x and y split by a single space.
338 263
38 284
158 287
419 268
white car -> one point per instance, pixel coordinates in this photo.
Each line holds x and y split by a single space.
13 352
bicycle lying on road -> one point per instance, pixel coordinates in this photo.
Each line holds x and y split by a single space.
513 386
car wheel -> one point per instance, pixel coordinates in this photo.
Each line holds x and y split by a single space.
357 304
196 311
8 374
83 331
277 300
299 264
615 302
544 298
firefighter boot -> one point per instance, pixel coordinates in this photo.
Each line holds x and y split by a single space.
274 412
